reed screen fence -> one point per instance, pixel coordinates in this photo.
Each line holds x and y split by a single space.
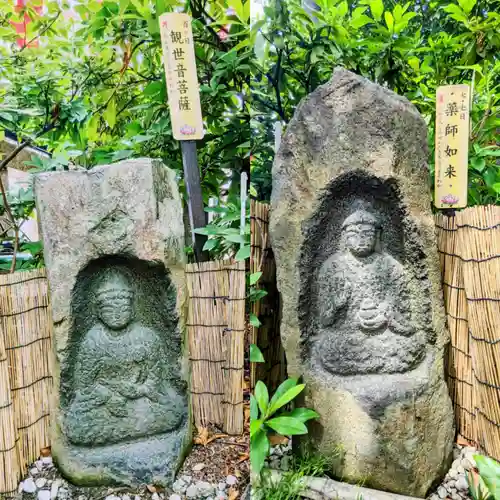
25 373
267 309
469 248
216 336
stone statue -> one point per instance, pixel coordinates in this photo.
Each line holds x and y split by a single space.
116 272
365 324
121 391
362 320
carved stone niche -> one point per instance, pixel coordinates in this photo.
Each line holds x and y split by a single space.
365 297
113 242
358 272
121 395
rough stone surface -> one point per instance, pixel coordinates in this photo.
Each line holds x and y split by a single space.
113 246
358 271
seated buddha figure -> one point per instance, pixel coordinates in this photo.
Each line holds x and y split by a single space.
364 313
121 387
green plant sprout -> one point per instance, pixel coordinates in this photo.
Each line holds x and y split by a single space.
488 486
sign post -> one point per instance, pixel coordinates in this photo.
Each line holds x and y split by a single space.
452 146
185 112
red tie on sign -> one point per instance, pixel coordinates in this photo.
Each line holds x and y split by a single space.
21 27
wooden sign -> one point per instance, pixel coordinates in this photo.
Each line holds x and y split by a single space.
182 80
452 146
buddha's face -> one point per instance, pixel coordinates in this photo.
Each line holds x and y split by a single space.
115 308
361 239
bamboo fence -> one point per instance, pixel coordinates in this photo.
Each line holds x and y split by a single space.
469 247
25 373
266 336
216 337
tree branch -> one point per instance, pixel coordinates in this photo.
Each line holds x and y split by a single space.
44 30
480 125
267 105
24 144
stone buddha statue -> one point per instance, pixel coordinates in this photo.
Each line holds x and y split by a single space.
364 313
121 382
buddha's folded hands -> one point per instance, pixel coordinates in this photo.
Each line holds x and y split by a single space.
93 396
131 390
117 406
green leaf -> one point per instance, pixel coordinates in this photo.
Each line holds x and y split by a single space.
243 253
342 9
110 113
489 470
123 5
287 426
141 8
153 88
254 408
493 151
414 62
303 414
257 294
467 5
377 9
316 52
286 398
256 355
262 396
255 277
456 13
496 187
235 238
361 21
478 163
282 389
255 426
122 155
254 321
259 449
389 21
161 7
210 244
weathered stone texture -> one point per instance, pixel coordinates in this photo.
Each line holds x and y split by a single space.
113 240
358 271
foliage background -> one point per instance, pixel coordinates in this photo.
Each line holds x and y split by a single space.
94 91
412 48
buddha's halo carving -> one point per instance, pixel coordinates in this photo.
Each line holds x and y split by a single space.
362 318
119 383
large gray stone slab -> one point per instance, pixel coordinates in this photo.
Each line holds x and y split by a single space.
358 271
114 250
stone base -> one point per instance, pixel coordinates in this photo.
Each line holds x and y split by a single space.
387 432
150 461
376 392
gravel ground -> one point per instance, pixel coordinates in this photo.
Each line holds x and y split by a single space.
45 483
211 474
216 469
453 487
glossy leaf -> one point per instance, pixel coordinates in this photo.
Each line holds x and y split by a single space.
287 426
256 355
262 396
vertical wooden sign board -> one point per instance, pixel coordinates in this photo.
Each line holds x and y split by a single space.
452 146
185 111
182 80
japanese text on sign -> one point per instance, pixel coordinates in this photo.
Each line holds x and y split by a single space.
452 146
181 77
